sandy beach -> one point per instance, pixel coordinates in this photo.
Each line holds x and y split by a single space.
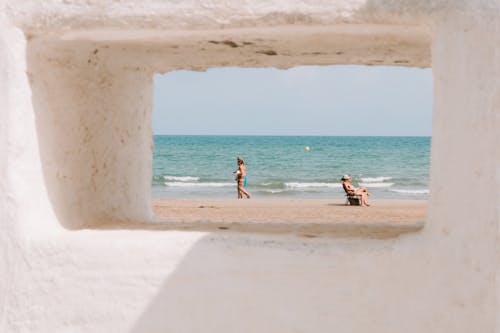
289 210
384 218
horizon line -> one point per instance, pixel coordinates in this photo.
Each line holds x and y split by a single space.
292 135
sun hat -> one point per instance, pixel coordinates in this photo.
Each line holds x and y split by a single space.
344 177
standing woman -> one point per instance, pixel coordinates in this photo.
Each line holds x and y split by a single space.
241 178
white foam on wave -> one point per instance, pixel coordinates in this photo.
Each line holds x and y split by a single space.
185 184
375 179
274 191
308 185
376 184
410 191
182 178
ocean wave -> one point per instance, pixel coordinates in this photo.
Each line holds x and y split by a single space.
274 191
181 178
410 191
308 185
376 184
375 179
267 185
185 184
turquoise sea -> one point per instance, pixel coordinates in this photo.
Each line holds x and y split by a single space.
281 166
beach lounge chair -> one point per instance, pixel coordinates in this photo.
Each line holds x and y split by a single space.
353 200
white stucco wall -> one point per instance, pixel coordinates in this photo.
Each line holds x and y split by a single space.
75 143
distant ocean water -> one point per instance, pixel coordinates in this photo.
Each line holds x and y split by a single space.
281 167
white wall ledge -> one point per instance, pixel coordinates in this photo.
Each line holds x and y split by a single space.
302 229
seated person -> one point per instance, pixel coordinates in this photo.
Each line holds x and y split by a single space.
362 192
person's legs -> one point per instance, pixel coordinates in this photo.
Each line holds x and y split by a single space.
238 189
366 201
365 190
363 195
245 193
242 191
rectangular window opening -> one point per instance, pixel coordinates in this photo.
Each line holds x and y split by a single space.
299 132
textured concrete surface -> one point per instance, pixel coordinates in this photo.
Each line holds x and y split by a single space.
75 149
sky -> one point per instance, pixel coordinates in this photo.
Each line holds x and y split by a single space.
337 100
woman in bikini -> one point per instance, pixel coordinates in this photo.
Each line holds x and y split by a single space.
351 190
241 177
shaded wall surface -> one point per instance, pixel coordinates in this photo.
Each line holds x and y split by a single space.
76 152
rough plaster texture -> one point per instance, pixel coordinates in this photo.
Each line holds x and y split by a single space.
75 143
